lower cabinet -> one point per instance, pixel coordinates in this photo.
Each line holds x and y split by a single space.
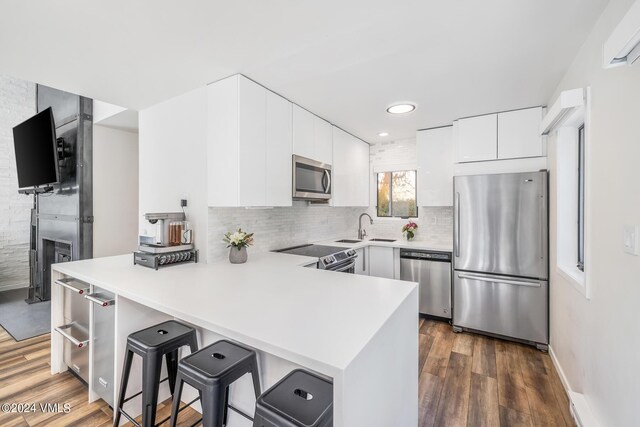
362 262
381 262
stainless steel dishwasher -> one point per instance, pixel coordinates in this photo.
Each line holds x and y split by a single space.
432 271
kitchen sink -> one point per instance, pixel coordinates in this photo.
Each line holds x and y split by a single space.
348 241
382 240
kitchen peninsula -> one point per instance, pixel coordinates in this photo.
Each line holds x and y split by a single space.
359 331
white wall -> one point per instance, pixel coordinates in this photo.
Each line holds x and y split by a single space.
17 103
597 341
115 191
173 161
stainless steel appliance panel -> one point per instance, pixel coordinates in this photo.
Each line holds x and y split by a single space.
75 349
76 327
434 283
502 305
75 308
500 224
103 343
311 179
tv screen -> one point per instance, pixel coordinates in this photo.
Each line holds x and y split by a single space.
36 150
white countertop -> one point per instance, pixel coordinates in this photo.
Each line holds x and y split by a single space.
316 318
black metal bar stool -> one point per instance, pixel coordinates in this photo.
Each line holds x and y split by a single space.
300 399
164 339
211 371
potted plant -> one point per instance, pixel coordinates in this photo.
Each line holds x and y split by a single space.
409 230
238 241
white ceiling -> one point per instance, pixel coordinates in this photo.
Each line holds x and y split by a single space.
344 60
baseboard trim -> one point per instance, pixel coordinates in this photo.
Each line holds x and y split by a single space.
11 287
580 410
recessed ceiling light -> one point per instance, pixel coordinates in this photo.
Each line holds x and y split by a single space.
383 134
401 108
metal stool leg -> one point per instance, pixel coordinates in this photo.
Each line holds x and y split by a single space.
172 369
175 405
225 406
126 370
150 385
193 345
255 376
212 413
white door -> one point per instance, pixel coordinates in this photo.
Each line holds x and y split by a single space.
381 262
435 166
342 187
362 262
252 168
350 170
323 140
477 139
361 173
279 141
519 134
303 132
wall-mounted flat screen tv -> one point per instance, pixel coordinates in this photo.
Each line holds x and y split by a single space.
36 150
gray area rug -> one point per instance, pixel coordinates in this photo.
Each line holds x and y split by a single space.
22 320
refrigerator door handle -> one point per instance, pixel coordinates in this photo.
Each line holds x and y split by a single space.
535 284
457 221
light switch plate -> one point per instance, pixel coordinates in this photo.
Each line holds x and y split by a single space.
631 239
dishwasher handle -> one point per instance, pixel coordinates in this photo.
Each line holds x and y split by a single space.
425 255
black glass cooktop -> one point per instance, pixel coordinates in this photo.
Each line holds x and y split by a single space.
317 251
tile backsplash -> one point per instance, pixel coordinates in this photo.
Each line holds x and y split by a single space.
434 223
281 227
289 226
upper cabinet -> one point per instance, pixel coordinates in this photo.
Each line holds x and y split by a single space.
501 136
249 145
519 134
435 166
477 139
279 139
312 136
350 170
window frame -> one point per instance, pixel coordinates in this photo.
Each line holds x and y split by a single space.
377 189
567 201
581 199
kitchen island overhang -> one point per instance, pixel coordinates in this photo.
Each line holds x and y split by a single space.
360 331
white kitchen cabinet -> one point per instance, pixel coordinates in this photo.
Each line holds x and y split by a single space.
477 139
323 140
303 132
519 134
279 149
249 145
381 262
435 166
350 170
362 262
312 136
252 144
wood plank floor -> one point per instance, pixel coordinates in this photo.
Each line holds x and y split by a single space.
472 380
465 380
25 378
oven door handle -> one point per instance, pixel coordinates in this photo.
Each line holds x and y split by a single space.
346 267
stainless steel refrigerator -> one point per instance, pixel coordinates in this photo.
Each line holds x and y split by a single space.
500 257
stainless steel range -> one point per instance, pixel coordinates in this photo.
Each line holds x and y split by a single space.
329 257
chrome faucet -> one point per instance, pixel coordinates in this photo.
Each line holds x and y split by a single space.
362 232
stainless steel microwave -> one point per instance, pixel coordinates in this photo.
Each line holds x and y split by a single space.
311 179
